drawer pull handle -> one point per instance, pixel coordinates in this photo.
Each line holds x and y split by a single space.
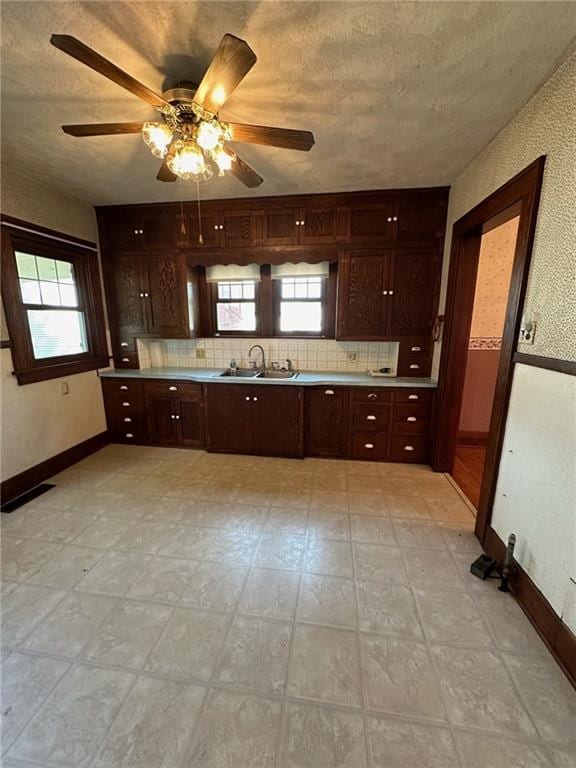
368 445
329 392
129 434
416 349
126 405
125 359
411 418
372 396
370 418
123 343
412 397
123 386
408 447
173 389
414 367
127 418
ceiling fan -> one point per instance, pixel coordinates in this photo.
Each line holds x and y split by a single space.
190 138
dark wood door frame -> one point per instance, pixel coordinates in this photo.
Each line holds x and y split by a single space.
519 195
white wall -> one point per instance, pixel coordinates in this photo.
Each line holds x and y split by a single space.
537 478
37 421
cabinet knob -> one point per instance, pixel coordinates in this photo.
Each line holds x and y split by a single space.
297 223
254 398
302 223
123 386
370 418
173 389
408 447
177 417
368 445
411 418
416 349
141 295
147 294
385 293
372 396
412 397
246 398
221 226
414 367
126 405
391 293
129 434
128 419
215 226
172 416
329 392
394 218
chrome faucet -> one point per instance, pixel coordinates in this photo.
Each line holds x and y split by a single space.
263 360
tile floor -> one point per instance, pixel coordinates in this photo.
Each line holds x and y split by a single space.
175 609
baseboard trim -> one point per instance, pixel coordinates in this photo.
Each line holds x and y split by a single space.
472 438
18 484
560 641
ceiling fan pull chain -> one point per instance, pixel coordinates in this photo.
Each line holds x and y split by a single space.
200 238
182 224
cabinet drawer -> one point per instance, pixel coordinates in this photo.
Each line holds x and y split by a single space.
409 448
126 359
367 395
173 387
369 446
129 435
122 386
414 366
415 348
129 402
371 418
411 419
127 421
413 396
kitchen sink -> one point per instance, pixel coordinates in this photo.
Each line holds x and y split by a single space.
278 374
240 373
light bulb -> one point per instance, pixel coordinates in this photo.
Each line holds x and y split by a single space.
157 137
208 135
187 161
223 160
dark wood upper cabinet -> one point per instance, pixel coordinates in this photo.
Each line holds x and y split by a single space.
411 283
322 225
373 222
361 311
327 420
238 228
421 218
124 291
166 298
207 225
280 226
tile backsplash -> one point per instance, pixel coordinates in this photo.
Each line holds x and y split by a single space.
306 354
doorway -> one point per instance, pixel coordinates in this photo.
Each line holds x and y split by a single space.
518 198
495 260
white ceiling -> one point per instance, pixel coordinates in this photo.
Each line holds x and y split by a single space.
397 94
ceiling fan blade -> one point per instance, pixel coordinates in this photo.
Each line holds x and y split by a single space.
102 129
230 64
82 53
242 171
165 174
272 137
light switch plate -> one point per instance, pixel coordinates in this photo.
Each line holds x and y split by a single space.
64 388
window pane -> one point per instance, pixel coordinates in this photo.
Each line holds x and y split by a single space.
223 290
240 316
65 273
314 288
26 264
50 293
301 290
30 290
236 290
301 316
68 295
46 268
57 332
248 290
287 289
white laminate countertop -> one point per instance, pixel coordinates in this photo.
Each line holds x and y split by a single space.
304 379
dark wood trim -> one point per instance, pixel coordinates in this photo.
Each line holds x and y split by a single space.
18 484
523 190
548 363
472 438
14 222
61 370
560 641
5 344
501 218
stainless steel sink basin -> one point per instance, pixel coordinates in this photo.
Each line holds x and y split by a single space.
278 374
240 373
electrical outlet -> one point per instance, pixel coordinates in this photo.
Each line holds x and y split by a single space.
352 357
200 353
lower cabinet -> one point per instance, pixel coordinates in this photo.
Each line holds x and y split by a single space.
175 413
327 420
258 419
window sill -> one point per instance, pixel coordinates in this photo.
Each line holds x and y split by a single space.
43 373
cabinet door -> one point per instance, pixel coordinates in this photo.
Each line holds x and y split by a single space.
167 311
191 421
321 225
276 420
239 228
281 226
361 279
159 229
228 418
373 222
411 282
327 420
123 231
208 225
162 423
124 293
421 219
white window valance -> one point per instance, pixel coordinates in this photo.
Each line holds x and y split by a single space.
232 273
302 269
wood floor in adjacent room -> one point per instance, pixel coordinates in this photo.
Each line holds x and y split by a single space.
469 469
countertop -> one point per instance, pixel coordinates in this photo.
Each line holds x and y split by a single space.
304 379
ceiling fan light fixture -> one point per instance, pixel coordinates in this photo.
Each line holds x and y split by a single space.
157 137
187 161
208 135
223 160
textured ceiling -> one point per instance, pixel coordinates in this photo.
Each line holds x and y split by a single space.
397 93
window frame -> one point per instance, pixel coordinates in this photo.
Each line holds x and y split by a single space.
215 300
278 299
84 260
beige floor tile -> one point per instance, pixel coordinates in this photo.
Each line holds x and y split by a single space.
234 730
379 563
258 495
114 574
67 567
47 524
359 484
388 609
24 608
128 634
269 593
399 486
397 744
436 486
190 541
165 579
290 498
64 499
321 737
413 507
71 624
452 618
248 517
123 482
427 568
235 547
256 654
497 751
327 600
478 692
332 558
325 666
452 510
329 525
154 725
103 532
549 697
287 522
26 682
418 533
563 757
146 537
70 726
132 506
328 501
509 625
372 530
282 552
328 481
215 586
190 644
459 536
399 678
362 468
22 558
185 511
365 503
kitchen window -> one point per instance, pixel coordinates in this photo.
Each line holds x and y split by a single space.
234 294
301 305
53 305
